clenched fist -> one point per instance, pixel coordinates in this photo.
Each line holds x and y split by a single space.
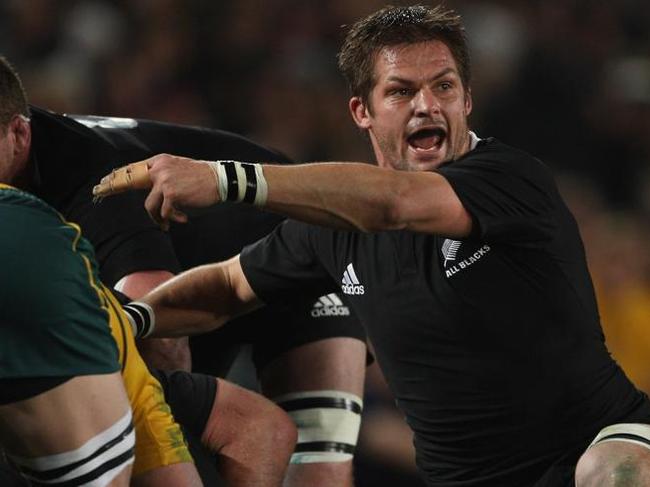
175 182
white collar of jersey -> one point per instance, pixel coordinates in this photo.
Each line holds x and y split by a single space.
473 140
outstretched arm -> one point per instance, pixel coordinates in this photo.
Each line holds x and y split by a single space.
201 299
342 195
366 198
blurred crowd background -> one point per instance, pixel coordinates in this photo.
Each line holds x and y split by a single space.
566 80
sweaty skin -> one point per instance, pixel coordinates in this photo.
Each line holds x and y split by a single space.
417 112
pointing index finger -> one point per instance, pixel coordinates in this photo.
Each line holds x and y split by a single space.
132 176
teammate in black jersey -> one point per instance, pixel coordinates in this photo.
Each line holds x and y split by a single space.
458 254
308 347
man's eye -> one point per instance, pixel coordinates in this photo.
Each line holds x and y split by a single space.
446 85
402 92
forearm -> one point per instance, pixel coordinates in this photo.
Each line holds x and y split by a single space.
199 300
161 353
366 198
343 195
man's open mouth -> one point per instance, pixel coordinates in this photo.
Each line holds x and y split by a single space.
427 138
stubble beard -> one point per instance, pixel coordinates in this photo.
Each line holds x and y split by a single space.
390 154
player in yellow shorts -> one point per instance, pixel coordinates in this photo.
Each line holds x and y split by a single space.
159 440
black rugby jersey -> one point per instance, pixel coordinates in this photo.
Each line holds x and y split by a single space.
491 344
71 154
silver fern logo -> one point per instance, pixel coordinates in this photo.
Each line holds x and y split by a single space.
449 250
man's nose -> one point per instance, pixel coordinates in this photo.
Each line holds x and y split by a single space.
426 103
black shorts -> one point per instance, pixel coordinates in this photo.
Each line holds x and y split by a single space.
9 476
14 390
561 474
190 397
273 331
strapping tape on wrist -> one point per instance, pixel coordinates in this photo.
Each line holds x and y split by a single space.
240 182
141 317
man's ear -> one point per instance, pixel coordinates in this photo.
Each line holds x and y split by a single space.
22 134
468 101
360 112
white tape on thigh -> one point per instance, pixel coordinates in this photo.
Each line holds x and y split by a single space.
95 464
328 424
637 433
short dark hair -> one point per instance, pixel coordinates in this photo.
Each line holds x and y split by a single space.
13 99
392 26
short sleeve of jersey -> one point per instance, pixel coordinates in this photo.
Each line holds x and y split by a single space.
54 322
284 265
509 194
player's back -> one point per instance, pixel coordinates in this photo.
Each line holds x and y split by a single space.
72 152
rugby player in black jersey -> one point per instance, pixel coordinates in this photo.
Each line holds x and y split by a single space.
460 257
306 349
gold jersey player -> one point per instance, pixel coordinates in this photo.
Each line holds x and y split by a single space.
64 414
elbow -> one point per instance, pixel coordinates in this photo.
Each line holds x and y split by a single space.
394 209
396 215
388 214
386 208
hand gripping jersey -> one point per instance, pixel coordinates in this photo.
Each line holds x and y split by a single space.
491 344
57 320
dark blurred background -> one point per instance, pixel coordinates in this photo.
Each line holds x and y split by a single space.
568 81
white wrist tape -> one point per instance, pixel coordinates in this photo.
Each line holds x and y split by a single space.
141 317
328 424
240 181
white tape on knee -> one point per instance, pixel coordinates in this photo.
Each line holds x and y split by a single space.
637 433
95 464
328 424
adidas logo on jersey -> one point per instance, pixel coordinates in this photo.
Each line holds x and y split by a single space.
350 283
329 305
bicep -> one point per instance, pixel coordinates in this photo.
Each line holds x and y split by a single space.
240 286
